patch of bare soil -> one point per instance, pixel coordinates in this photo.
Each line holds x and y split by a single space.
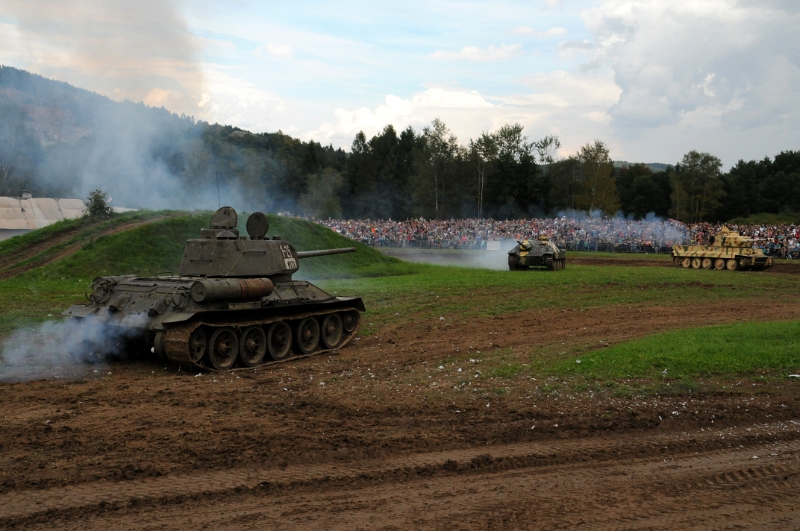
376 437
8 262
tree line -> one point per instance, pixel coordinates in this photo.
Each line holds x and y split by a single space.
505 175
394 174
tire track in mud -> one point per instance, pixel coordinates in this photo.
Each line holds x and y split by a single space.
10 264
573 457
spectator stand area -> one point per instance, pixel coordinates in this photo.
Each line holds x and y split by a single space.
601 235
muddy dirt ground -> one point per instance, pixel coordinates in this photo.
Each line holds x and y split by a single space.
382 435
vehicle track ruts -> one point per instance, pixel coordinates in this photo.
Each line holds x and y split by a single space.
581 455
9 266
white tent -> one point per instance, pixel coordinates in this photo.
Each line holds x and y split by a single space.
29 213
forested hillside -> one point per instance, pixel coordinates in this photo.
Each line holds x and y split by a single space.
60 141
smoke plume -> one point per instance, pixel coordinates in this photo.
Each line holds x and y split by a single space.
69 349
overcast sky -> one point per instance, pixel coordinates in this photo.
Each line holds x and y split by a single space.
653 79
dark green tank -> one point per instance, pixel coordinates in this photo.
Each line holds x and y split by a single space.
233 303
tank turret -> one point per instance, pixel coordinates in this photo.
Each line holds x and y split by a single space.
222 253
233 302
725 250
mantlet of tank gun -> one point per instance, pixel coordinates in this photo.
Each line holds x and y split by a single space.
222 253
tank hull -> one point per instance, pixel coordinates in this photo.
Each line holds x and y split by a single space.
526 255
161 313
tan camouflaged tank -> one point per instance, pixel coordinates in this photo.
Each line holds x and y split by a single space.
538 252
726 250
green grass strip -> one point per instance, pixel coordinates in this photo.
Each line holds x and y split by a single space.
729 350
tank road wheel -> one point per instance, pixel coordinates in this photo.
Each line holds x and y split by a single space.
198 344
730 264
158 345
513 263
279 341
719 264
677 260
253 346
686 263
548 263
223 349
707 263
742 264
350 320
332 330
307 335
696 263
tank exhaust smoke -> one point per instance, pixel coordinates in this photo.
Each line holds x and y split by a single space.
58 349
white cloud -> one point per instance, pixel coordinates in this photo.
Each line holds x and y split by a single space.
274 49
473 53
456 108
573 106
710 57
713 75
117 48
552 32
232 100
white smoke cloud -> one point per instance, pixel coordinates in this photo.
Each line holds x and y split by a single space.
64 349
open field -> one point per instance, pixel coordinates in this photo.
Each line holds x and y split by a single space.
608 395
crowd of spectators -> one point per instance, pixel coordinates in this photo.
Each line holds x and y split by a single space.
588 234
782 241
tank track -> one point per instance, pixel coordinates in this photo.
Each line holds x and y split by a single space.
174 342
736 263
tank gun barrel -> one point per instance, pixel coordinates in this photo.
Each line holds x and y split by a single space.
325 252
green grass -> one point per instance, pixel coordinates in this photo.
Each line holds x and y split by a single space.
81 230
158 248
458 293
44 292
746 349
427 298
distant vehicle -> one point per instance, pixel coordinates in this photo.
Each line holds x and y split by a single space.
233 303
726 250
538 252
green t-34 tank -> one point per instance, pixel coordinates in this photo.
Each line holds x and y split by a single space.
538 252
726 250
233 303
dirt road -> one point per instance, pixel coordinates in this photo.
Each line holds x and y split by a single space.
387 435
670 480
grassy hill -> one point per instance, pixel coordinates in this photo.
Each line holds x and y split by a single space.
157 247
